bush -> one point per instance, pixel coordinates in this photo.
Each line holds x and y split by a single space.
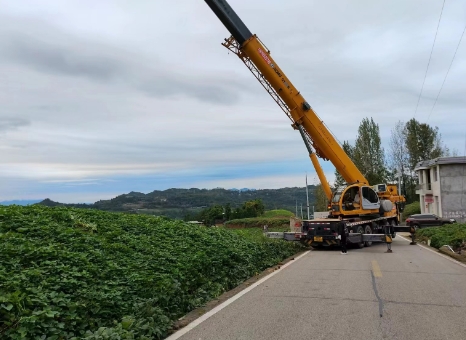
453 235
411 209
85 274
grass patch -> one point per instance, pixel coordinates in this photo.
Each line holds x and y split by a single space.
278 213
258 222
87 274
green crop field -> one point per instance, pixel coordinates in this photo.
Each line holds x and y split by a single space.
67 273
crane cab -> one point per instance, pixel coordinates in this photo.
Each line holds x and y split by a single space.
355 200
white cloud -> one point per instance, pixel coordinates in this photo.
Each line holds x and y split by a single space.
265 182
93 90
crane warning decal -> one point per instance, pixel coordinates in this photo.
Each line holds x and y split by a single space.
264 56
269 62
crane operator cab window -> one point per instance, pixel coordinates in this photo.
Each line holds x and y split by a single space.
351 199
370 200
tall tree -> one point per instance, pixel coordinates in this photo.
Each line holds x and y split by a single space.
423 142
368 154
339 181
398 155
320 199
398 152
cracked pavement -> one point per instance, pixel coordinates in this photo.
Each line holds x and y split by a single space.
325 295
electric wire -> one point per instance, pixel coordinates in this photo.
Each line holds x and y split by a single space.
430 57
441 87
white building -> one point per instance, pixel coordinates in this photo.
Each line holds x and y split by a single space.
442 187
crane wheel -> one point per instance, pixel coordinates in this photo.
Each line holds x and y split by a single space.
360 230
367 230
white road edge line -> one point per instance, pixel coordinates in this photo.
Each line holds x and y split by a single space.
437 253
217 309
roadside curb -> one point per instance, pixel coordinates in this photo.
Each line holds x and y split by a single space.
457 257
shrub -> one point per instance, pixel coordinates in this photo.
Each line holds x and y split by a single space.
411 209
453 235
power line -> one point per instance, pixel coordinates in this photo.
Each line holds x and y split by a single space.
441 87
430 57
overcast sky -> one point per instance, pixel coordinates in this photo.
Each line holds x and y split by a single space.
100 98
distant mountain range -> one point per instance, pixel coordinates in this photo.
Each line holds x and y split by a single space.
176 203
20 202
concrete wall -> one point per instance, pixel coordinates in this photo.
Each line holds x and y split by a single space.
453 191
436 191
430 186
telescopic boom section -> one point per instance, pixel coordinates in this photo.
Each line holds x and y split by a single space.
315 162
257 57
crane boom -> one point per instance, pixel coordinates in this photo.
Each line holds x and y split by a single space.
257 58
315 162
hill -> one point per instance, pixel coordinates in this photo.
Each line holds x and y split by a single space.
176 203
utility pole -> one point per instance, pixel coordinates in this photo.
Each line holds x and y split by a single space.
296 208
307 199
301 211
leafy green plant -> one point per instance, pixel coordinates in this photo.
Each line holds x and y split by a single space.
68 273
453 235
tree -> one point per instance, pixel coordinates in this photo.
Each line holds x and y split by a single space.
368 154
423 142
398 152
320 198
228 211
253 208
411 143
339 181
398 155
210 215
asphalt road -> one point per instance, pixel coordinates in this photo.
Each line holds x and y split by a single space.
326 295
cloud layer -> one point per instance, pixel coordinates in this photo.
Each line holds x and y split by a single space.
108 97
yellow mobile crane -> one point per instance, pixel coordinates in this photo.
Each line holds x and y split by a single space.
366 208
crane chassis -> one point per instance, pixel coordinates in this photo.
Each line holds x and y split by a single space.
372 213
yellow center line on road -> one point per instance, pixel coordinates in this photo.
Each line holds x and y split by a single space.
376 269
